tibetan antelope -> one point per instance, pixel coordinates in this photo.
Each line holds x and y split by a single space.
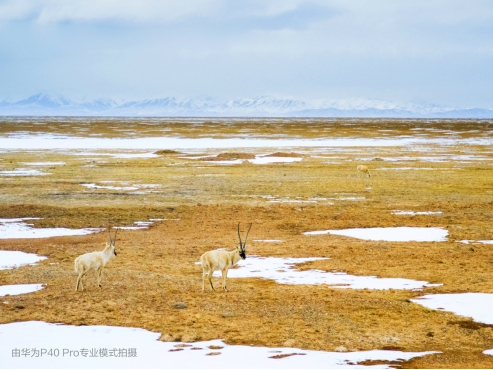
222 260
364 169
94 261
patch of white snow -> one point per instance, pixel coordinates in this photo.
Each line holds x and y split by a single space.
391 234
150 352
11 259
475 305
19 289
283 272
20 230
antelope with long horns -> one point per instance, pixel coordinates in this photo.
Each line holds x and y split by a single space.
95 261
222 260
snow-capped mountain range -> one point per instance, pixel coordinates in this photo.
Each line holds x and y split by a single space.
262 106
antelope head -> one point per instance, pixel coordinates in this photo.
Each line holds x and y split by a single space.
112 241
241 248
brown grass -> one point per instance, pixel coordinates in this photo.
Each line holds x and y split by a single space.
155 268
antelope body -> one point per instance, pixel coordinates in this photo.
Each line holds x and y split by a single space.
94 261
364 169
222 260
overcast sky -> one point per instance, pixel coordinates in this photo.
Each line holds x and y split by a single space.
434 51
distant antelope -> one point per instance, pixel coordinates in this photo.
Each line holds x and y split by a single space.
364 169
94 261
222 260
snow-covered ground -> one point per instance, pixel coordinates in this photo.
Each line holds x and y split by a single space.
348 198
19 289
277 199
475 305
44 163
46 141
16 228
280 200
454 158
405 168
23 172
414 213
475 241
109 187
391 234
267 160
11 259
28 344
140 225
135 155
143 188
281 270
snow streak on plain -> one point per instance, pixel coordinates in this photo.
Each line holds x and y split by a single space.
282 271
391 234
151 353
19 289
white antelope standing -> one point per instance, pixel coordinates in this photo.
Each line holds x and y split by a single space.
94 261
222 260
364 169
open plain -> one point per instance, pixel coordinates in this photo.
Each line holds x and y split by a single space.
182 185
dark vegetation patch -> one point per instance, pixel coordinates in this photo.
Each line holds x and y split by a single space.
283 154
215 347
287 355
229 157
472 325
392 348
292 228
167 151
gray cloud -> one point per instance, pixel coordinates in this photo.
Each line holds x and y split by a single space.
434 50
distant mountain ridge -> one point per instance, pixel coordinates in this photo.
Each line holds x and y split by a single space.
262 106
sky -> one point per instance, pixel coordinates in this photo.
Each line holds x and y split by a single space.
420 51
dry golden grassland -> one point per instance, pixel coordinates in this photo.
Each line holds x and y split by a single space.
155 268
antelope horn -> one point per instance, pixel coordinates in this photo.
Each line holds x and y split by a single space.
109 234
239 234
116 232
244 245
